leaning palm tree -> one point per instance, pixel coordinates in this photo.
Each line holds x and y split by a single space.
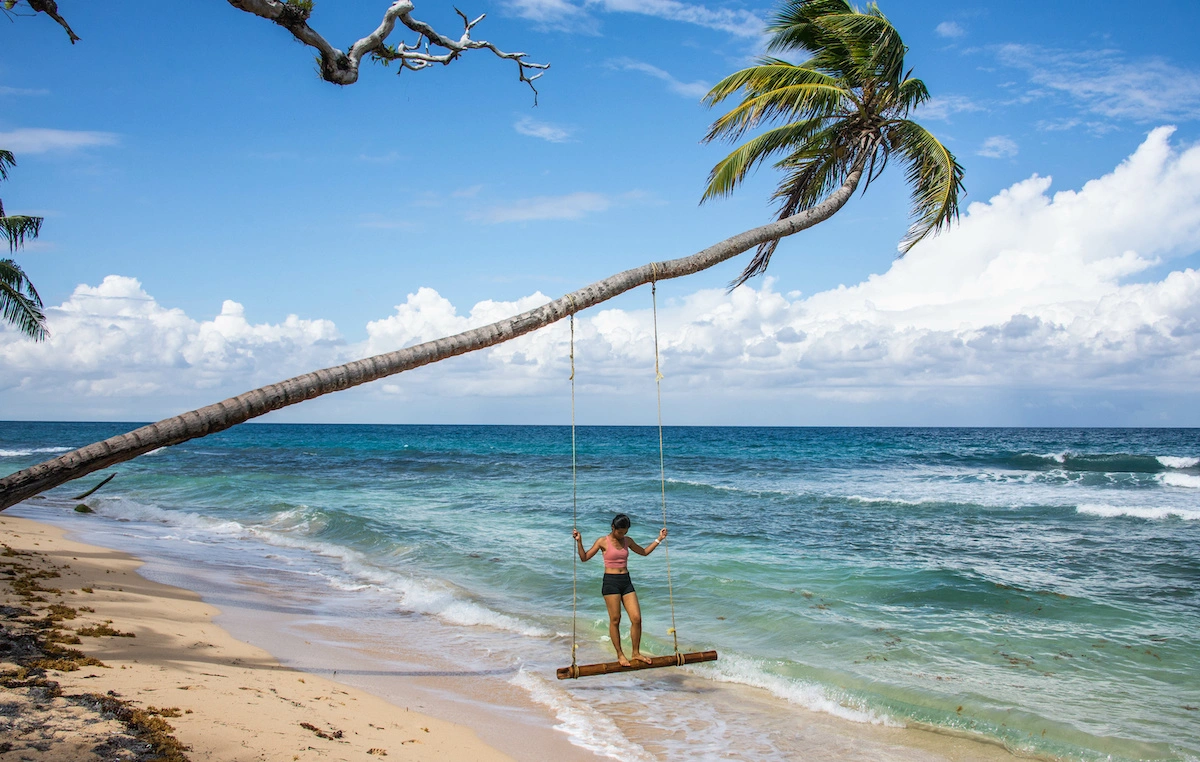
848 105
843 110
20 304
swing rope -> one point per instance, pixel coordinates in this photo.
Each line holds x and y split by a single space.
574 509
662 469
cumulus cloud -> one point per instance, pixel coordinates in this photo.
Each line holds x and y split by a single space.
37 140
1036 293
115 339
1106 83
697 89
551 133
998 147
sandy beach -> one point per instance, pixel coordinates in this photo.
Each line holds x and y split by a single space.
223 699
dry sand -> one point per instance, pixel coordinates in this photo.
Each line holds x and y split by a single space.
225 699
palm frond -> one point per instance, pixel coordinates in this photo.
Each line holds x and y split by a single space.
935 176
911 93
872 43
6 161
794 102
731 170
768 74
20 304
17 228
793 25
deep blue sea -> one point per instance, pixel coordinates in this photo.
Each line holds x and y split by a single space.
1035 587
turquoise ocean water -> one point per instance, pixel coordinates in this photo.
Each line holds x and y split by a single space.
1036 587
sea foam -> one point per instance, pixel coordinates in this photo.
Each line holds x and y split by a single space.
1140 512
24 452
585 726
738 669
1171 461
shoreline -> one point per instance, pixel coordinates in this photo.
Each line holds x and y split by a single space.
189 645
226 699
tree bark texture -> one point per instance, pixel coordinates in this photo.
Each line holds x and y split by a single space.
222 415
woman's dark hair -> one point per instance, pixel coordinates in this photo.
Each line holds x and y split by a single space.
620 521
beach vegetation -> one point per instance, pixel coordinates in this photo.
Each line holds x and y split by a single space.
20 304
838 118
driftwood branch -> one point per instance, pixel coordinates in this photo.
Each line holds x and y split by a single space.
93 490
48 7
222 415
431 47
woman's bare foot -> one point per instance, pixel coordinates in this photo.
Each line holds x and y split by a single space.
622 659
642 658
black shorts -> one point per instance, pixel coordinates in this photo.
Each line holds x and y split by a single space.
616 584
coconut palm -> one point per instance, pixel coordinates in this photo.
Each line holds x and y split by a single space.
843 109
20 304
848 104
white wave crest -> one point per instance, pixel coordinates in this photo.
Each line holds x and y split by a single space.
1057 457
894 500
1139 512
24 452
1181 480
738 669
125 509
1174 462
584 725
421 596
429 597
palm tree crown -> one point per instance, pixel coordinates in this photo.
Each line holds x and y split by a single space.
20 304
844 111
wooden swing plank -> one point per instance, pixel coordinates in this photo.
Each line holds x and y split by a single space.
606 668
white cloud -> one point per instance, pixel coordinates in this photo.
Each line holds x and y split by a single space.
697 89
552 133
945 106
1105 83
578 17
739 22
1033 295
950 29
569 207
6 90
998 147
37 140
115 339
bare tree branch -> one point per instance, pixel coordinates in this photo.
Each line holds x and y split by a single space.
48 7
431 47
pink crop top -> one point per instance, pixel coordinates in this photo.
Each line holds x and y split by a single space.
617 557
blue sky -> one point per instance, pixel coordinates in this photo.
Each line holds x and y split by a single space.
217 217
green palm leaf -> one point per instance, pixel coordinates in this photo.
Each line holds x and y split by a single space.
844 114
17 228
20 304
934 175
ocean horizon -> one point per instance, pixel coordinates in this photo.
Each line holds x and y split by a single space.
1034 588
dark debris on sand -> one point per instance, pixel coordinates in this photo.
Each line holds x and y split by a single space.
39 721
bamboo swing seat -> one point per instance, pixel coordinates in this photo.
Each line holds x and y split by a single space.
609 667
676 659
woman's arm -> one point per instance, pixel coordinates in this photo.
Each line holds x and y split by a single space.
662 535
584 555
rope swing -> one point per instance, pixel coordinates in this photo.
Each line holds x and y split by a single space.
677 659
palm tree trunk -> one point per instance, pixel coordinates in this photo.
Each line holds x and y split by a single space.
222 415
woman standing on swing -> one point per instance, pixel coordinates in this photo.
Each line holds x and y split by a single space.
617 588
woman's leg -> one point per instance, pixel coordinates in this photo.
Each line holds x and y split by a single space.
635 626
613 602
